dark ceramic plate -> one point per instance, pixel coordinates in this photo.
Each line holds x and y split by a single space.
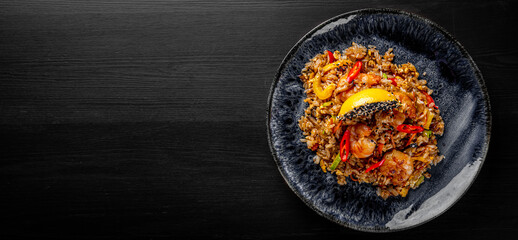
459 92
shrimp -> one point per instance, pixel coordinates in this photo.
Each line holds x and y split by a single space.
392 118
343 85
360 130
407 104
364 78
398 165
361 145
368 79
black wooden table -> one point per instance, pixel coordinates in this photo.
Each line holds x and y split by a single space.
147 119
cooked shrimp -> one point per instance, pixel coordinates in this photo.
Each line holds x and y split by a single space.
392 118
360 130
363 147
342 83
368 79
399 166
407 104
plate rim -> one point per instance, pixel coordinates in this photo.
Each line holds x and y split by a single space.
365 11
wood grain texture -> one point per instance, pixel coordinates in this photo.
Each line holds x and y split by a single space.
146 119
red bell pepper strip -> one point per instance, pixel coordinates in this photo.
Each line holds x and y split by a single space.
345 147
429 99
376 165
409 128
340 151
331 57
315 147
354 71
393 81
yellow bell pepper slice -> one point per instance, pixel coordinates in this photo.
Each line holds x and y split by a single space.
422 159
317 88
403 192
335 64
429 118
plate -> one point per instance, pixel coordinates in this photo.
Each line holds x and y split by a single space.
459 91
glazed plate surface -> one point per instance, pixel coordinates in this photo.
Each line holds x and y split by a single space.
459 91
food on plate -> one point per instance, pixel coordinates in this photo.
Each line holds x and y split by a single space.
370 120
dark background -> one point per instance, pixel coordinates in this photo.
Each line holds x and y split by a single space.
147 119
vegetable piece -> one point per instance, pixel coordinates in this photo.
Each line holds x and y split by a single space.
409 128
317 88
376 165
393 81
429 118
331 57
315 147
403 192
336 161
419 181
392 140
380 148
427 133
336 64
326 104
345 147
422 159
410 139
337 126
429 99
341 149
354 71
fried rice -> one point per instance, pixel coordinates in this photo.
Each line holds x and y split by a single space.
380 152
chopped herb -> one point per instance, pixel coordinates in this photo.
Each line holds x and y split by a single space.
427 133
327 104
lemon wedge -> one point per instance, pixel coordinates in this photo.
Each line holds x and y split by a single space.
367 102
